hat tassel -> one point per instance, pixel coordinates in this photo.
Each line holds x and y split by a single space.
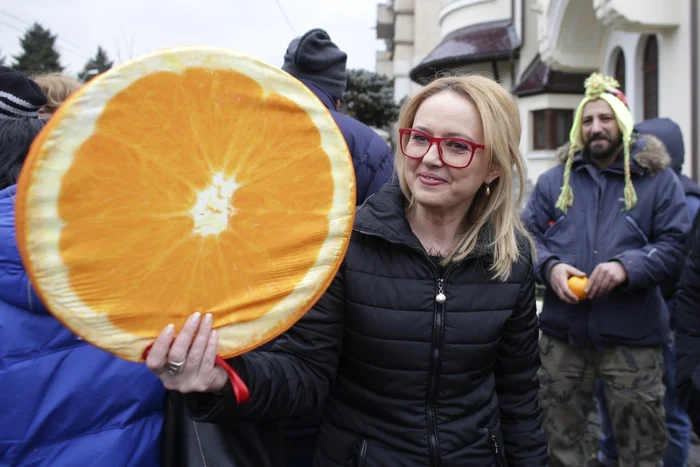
630 193
566 197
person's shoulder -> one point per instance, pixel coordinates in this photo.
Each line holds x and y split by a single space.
553 173
550 179
522 265
349 122
362 135
664 177
9 253
525 251
652 156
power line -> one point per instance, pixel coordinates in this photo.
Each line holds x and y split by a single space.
286 18
59 39
63 49
12 26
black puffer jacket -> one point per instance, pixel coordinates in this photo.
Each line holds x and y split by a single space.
411 380
688 330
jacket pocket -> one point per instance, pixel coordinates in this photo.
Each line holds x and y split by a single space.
638 230
357 454
553 226
559 238
495 446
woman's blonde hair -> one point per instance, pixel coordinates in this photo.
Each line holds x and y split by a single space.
493 215
57 88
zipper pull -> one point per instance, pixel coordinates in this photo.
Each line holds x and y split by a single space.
441 298
495 443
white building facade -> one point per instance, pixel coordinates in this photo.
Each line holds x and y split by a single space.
411 30
542 50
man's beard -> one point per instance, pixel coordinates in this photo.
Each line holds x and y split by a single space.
603 153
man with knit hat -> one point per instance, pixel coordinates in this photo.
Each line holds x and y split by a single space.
677 422
19 95
318 63
613 212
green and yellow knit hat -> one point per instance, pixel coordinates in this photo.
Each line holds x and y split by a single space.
606 88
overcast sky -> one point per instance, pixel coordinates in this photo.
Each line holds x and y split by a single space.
131 27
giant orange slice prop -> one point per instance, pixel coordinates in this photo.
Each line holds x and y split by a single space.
190 179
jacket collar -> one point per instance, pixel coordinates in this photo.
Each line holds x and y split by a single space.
321 93
384 215
648 154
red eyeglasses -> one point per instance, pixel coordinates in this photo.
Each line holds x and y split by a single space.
457 153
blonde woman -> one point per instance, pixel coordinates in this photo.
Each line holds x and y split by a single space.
57 88
424 348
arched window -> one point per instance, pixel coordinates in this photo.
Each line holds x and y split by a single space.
650 71
619 71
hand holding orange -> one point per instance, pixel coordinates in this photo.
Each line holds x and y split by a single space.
578 286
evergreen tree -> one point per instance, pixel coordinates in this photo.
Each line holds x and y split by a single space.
370 98
96 65
2 59
39 54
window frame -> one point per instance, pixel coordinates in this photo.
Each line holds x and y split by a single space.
650 78
620 70
550 129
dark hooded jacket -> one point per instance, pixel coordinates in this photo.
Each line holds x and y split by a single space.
648 241
371 156
374 166
688 330
669 133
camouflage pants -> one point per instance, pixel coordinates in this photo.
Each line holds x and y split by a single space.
632 377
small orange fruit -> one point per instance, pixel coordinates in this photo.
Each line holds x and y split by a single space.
577 286
191 179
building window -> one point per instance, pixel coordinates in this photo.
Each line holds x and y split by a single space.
551 128
650 72
619 73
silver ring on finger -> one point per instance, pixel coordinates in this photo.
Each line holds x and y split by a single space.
175 368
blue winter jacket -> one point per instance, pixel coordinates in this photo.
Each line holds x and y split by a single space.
371 156
63 402
647 241
669 133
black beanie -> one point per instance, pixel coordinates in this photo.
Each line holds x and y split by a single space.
316 58
19 95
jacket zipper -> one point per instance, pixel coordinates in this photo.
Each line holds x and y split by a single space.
363 453
436 346
589 321
358 457
493 442
199 443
